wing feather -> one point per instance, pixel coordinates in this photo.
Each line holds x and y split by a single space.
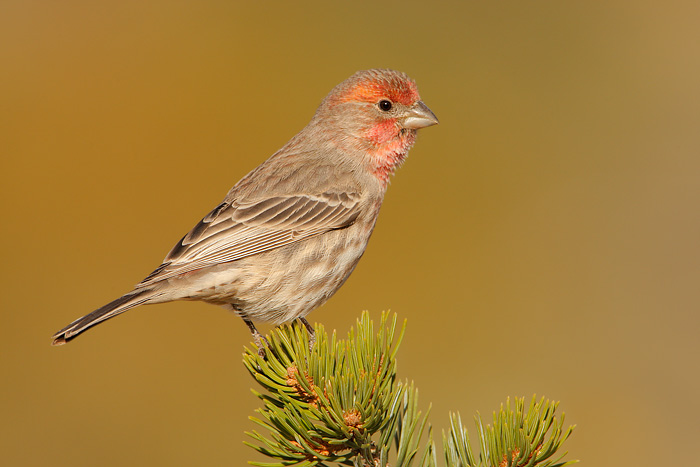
235 230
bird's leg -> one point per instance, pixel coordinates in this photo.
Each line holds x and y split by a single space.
312 333
257 337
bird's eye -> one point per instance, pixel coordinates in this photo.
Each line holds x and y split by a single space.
385 105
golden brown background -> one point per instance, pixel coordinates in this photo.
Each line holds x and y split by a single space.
542 239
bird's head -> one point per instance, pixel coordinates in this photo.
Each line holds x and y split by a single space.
376 112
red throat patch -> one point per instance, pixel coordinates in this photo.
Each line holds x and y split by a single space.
389 153
382 132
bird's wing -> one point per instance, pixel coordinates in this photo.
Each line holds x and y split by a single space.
238 229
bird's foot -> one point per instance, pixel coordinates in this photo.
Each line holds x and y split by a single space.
310 330
258 338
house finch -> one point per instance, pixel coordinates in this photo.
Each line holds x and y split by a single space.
288 235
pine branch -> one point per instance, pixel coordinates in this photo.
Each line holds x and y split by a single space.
340 403
518 437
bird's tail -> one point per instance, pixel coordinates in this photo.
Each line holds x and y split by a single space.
120 305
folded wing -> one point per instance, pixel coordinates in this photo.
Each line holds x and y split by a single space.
235 230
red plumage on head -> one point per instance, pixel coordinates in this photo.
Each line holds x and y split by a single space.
372 85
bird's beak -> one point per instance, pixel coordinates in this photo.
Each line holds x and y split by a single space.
418 116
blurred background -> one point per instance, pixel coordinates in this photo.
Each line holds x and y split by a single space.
542 239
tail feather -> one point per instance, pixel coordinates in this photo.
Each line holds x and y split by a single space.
110 310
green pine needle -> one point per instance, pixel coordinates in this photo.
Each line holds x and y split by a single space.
519 437
333 403
340 403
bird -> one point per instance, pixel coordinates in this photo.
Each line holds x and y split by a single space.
288 235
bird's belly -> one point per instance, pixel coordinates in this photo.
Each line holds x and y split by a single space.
282 284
